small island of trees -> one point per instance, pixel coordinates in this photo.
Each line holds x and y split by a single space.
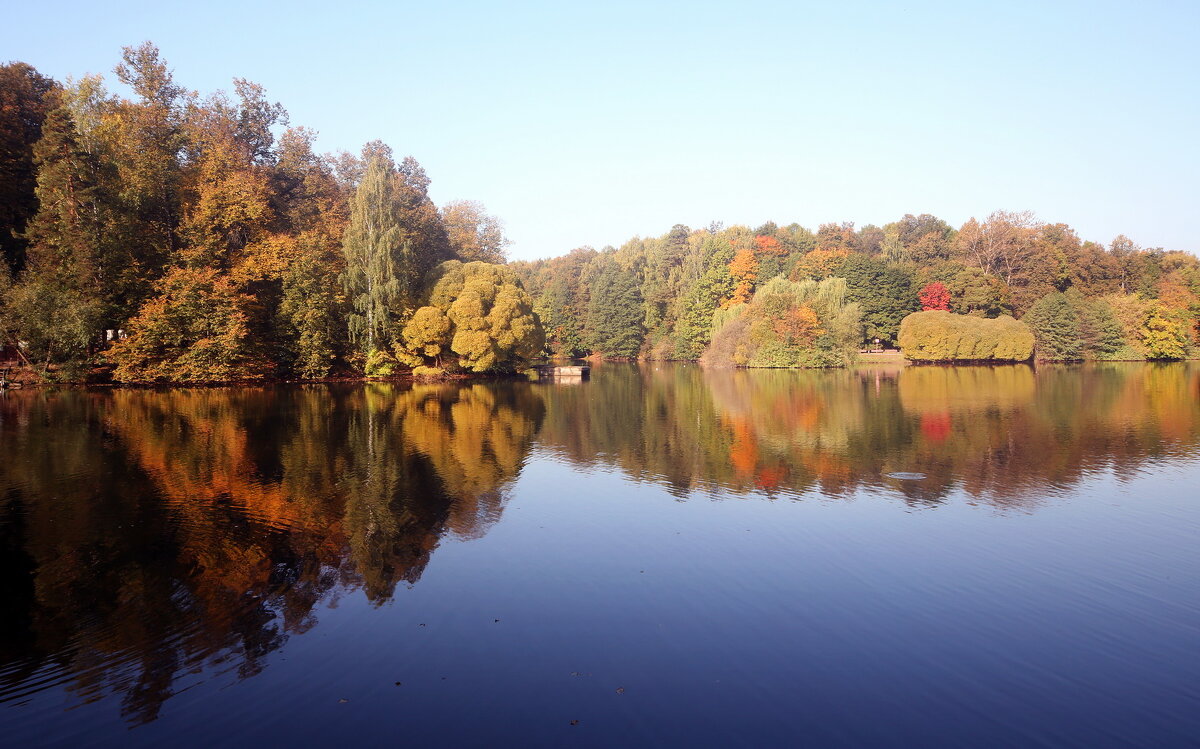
183 238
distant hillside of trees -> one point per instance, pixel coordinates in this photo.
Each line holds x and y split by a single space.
171 236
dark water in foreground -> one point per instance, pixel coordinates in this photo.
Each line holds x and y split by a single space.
664 555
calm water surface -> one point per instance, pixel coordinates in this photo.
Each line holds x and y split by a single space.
662 555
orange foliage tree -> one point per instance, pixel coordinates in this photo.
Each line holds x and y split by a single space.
744 269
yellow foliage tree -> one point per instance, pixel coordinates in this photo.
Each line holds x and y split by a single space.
478 318
819 264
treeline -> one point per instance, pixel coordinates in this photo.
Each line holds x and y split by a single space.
655 298
173 236
178 237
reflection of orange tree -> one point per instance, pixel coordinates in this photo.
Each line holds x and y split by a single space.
798 419
163 531
105 563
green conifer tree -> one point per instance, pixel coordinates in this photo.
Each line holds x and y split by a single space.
58 305
1055 324
615 313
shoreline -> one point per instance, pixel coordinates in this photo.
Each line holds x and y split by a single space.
868 360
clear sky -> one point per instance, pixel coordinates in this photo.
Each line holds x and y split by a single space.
587 124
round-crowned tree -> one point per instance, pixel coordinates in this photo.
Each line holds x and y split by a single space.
477 318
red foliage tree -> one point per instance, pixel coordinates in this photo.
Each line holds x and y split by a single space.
935 296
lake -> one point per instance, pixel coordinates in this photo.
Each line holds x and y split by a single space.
661 555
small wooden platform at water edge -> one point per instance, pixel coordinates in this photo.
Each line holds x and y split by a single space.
556 372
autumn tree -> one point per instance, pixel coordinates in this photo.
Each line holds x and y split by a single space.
818 264
195 329
227 215
227 250
743 268
1164 332
473 234
833 237
998 245
147 144
869 240
788 324
935 296
477 318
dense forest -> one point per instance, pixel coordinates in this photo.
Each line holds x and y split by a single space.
171 236
656 298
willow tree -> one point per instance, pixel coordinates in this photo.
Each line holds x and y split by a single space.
378 259
788 324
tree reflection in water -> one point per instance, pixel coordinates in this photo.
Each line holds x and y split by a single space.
150 535
1005 436
151 538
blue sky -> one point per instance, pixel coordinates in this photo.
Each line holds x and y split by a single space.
588 124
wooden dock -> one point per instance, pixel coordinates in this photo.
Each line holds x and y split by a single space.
557 372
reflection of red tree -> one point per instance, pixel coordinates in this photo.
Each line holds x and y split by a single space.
935 426
771 478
